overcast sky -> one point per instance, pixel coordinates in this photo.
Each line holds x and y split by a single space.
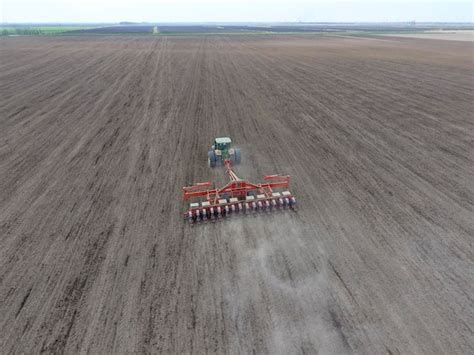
234 10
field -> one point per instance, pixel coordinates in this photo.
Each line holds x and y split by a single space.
175 29
99 134
25 30
448 35
136 29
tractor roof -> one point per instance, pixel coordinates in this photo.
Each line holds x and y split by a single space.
223 140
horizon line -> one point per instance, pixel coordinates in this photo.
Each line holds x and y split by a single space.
236 22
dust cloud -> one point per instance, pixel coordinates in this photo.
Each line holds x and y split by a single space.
280 287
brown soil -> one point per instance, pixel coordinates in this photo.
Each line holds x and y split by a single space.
98 135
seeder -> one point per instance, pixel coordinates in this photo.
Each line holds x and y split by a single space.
238 196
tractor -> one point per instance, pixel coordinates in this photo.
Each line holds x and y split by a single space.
221 151
238 196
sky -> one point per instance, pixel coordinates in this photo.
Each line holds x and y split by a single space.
65 11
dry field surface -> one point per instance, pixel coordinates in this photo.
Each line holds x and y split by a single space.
448 35
99 134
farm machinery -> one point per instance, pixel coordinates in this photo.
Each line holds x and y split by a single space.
238 196
221 151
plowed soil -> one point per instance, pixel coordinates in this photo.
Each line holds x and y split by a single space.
99 134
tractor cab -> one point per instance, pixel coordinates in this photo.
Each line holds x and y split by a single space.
222 144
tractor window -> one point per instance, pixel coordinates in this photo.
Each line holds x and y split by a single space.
222 146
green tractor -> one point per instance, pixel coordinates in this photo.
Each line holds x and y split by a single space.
222 150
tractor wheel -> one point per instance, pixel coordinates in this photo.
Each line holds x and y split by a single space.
237 156
211 159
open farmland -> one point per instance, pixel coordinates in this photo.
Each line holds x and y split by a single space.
447 35
99 134
136 29
38 30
